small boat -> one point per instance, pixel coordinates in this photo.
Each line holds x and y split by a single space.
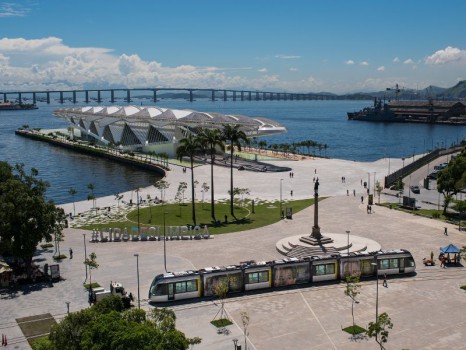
10 106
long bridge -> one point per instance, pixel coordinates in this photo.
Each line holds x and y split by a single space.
216 94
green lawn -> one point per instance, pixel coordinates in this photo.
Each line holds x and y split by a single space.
180 215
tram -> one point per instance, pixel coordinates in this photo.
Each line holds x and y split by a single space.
252 275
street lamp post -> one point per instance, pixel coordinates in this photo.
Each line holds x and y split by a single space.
137 272
137 202
348 232
85 256
377 290
374 184
68 307
235 342
164 242
368 183
281 210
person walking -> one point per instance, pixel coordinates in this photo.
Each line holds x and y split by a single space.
385 280
445 232
71 253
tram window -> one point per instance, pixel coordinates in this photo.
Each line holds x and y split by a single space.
327 269
258 277
409 262
393 263
384 264
159 289
186 286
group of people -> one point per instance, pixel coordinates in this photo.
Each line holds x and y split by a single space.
291 175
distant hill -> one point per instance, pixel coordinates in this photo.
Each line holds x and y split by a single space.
456 92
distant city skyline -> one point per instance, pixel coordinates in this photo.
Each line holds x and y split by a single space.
294 46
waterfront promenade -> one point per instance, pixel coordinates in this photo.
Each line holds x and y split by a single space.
430 303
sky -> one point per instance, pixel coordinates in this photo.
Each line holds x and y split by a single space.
339 46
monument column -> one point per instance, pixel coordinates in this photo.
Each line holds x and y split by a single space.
316 229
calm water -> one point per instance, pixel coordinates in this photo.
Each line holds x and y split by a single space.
321 121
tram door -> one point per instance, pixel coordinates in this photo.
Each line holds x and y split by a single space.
171 291
402 265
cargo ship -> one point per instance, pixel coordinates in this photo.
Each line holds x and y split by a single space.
10 106
429 111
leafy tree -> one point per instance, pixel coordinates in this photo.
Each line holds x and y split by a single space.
352 290
118 198
210 140
91 196
234 135
378 189
179 197
460 207
452 179
379 329
245 321
205 188
109 304
188 147
162 185
220 290
72 192
91 264
26 218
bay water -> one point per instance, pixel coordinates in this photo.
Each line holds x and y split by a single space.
322 121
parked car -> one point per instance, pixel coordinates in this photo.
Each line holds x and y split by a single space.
415 189
432 175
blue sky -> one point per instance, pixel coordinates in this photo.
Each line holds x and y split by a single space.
293 45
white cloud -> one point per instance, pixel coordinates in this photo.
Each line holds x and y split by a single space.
408 61
364 63
448 55
381 68
292 69
9 9
287 57
396 60
263 70
349 62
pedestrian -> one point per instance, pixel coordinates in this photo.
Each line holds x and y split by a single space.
347 192
315 171
291 193
367 209
354 193
362 199
385 280
442 261
313 179
361 182
445 232
290 175
71 253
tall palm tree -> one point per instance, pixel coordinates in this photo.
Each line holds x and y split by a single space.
210 139
234 135
188 147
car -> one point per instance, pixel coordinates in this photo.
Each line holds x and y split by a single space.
432 175
415 189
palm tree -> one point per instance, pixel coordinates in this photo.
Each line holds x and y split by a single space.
210 139
188 147
235 136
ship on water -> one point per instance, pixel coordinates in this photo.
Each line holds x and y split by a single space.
426 111
10 106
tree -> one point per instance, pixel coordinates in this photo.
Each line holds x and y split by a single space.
26 218
205 188
234 135
379 329
188 147
72 192
91 264
162 185
109 328
460 207
118 198
210 139
245 321
352 290
378 189
179 197
452 179
220 290
91 196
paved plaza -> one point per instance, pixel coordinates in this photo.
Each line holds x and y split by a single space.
427 310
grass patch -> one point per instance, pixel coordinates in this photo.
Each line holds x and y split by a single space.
93 285
354 329
221 322
46 245
463 287
60 257
264 214
35 326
